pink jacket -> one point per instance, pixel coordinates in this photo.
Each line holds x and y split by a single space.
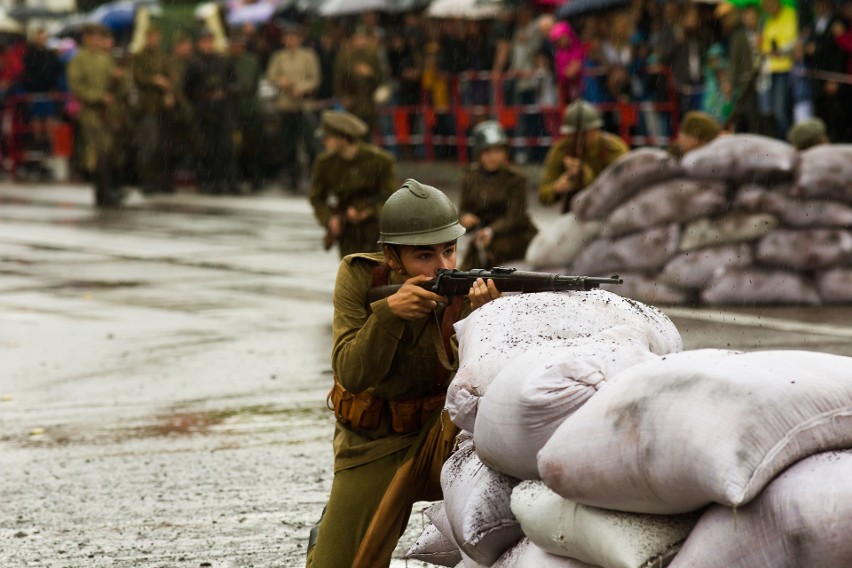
565 55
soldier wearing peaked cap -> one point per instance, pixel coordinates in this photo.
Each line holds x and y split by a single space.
350 183
392 361
577 159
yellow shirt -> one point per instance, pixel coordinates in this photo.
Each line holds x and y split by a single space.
781 31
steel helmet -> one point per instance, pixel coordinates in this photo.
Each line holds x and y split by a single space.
418 214
488 134
580 115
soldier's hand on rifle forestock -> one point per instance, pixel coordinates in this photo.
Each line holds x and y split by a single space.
563 184
335 227
356 216
483 292
469 220
411 302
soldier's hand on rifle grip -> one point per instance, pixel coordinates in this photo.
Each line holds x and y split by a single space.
483 292
411 302
335 227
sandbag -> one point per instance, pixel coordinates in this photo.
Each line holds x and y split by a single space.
630 173
694 269
805 249
602 537
793 212
835 286
759 286
477 504
825 172
648 250
651 290
434 547
677 200
733 227
537 391
803 518
495 334
525 554
696 427
742 158
558 243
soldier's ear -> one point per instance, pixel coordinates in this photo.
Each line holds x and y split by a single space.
392 259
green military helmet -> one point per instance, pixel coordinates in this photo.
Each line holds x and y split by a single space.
487 135
580 115
418 214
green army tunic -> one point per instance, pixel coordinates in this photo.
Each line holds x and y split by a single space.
597 157
90 74
364 182
393 359
499 199
359 89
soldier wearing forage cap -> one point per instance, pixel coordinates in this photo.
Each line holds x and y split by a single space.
697 129
808 133
350 183
577 159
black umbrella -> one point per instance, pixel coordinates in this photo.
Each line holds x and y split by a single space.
576 8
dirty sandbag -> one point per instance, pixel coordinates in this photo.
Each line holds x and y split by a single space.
734 227
648 250
805 249
791 211
558 243
694 269
759 286
825 172
677 200
709 425
622 179
803 518
835 286
648 288
435 548
477 504
742 158
525 554
528 401
602 537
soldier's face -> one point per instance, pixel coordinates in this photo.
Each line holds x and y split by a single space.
426 260
492 158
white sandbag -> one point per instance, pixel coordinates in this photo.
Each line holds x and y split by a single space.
674 435
835 286
759 286
733 227
648 250
434 547
742 158
675 200
825 172
803 518
694 269
536 392
477 503
805 249
651 290
525 554
602 537
793 212
495 334
558 243
629 174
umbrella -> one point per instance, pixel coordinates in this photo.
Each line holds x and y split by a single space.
257 13
464 9
120 15
744 3
576 8
9 25
347 7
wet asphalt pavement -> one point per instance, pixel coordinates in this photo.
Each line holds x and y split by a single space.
163 372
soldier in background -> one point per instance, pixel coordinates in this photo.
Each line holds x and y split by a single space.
807 134
351 181
248 114
180 128
208 85
493 206
697 129
358 72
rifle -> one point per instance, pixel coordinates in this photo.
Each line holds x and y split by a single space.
328 239
579 153
452 282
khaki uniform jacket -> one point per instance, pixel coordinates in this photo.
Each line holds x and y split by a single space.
359 89
145 65
376 351
597 157
90 79
301 66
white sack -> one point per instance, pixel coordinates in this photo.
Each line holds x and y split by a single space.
694 269
498 332
730 228
793 212
753 286
629 174
676 200
805 249
525 554
648 250
835 286
825 172
803 518
477 504
602 537
558 243
434 547
651 290
742 158
700 426
528 401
